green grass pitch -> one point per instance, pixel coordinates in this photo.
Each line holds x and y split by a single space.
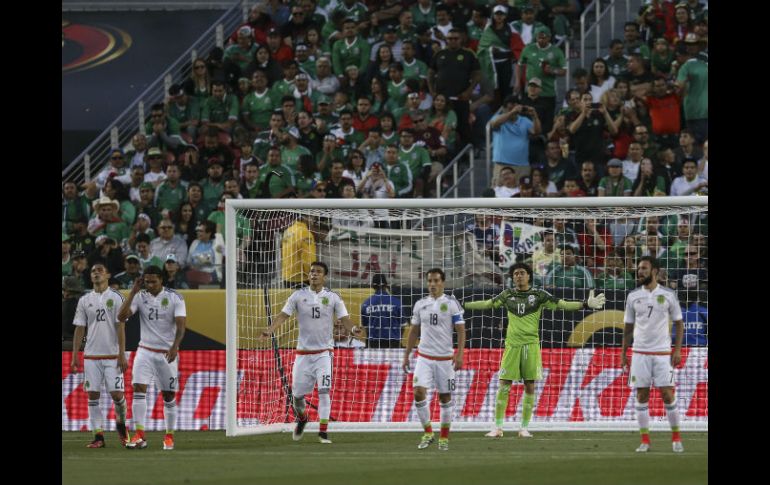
208 457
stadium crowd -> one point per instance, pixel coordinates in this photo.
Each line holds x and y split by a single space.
371 99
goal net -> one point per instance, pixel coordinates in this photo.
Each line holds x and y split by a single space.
573 246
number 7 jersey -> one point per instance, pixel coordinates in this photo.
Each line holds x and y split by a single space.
650 311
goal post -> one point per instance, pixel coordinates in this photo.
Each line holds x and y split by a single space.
573 245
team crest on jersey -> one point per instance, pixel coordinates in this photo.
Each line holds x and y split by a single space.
86 384
324 301
661 299
443 307
460 57
531 299
110 303
164 303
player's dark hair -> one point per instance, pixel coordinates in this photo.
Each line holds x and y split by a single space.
100 262
152 269
438 271
652 260
523 266
321 265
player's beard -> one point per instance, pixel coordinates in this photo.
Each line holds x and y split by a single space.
646 280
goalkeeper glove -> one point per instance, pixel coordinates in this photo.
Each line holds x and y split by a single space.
595 302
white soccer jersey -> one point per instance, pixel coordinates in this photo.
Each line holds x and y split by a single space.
99 313
437 318
157 317
316 316
650 311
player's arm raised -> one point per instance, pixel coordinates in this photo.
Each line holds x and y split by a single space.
125 309
482 304
593 302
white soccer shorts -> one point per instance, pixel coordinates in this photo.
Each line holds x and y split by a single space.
98 371
651 370
149 365
309 370
439 373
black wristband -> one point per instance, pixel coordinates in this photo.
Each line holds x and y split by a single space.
585 305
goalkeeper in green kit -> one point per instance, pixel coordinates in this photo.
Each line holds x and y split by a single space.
521 359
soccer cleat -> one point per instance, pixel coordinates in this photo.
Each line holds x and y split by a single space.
324 438
443 444
137 441
495 433
168 442
643 448
299 430
123 433
524 433
98 442
426 441
677 446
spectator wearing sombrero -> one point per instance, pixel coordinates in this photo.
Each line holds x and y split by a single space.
107 220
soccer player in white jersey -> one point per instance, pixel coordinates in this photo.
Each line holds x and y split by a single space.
433 319
648 309
316 307
104 354
162 319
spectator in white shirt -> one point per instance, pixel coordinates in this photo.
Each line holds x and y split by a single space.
691 182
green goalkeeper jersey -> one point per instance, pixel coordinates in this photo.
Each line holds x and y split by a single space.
524 310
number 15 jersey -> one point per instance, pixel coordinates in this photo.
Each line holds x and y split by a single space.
316 314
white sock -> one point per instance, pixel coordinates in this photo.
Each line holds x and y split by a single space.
672 413
299 406
120 410
446 413
95 416
643 416
139 410
324 405
423 412
169 413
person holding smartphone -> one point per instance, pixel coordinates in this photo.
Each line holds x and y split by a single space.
510 137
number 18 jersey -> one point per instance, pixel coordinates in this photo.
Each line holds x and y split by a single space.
436 318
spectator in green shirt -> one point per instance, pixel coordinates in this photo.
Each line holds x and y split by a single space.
569 274
615 184
614 277
133 269
220 110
